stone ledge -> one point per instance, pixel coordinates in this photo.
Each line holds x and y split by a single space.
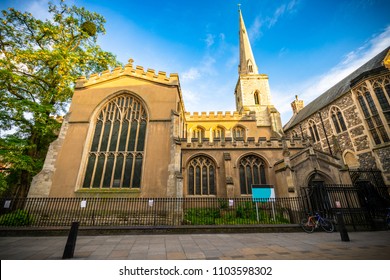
129 230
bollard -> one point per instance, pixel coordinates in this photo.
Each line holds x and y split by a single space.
341 227
71 242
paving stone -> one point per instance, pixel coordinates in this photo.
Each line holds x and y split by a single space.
319 245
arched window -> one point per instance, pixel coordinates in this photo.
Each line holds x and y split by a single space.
201 176
198 133
238 133
252 171
380 86
338 120
294 133
117 150
256 97
219 133
313 131
370 112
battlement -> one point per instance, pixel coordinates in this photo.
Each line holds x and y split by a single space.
128 70
249 143
212 116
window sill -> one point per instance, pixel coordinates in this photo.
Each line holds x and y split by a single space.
381 146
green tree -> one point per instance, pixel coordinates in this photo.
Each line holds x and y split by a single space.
40 61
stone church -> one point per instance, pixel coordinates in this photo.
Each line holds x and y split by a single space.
127 134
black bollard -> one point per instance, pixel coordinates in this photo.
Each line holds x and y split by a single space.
341 227
71 242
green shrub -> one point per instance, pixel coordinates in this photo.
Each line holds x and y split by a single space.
223 204
201 216
246 210
16 218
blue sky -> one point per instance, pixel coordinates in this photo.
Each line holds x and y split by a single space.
305 46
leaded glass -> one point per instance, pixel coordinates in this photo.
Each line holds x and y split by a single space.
113 161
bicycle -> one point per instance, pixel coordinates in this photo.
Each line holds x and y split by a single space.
312 222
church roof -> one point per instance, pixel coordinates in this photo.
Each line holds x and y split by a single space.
337 90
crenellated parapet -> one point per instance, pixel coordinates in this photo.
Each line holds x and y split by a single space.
248 143
129 70
219 116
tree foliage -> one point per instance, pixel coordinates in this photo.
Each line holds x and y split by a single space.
40 61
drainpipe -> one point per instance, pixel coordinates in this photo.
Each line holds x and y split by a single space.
326 136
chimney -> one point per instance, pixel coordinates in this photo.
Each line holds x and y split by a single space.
386 61
297 105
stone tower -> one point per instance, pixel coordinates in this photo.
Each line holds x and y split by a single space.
252 91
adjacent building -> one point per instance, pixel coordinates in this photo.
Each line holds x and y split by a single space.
351 120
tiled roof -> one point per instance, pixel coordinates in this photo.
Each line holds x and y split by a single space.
336 91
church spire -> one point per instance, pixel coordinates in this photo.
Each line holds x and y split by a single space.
247 60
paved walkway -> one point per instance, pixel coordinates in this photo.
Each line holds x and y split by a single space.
250 246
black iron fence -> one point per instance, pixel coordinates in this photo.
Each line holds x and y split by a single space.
363 206
374 176
360 206
49 212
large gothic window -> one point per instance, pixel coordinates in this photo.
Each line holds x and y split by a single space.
117 150
380 87
372 117
252 171
201 176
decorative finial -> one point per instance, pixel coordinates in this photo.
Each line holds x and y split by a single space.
239 7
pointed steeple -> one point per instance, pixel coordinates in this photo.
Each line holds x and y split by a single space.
247 60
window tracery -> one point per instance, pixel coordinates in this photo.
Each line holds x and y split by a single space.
251 171
117 149
201 176
338 120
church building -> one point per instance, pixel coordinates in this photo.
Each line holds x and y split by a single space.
127 134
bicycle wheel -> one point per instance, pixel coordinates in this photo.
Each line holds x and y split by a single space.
307 225
327 225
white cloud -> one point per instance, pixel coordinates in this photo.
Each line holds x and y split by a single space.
40 8
205 68
209 40
280 11
191 99
350 63
191 74
315 86
254 30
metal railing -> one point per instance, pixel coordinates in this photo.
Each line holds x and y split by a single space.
51 212
360 207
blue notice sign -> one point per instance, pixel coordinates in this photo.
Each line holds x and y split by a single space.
262 192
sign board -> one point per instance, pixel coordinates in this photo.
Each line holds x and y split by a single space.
231 202
262 192
7 204
151 202
338 204
83 204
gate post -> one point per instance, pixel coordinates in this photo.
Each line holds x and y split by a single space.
341 227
